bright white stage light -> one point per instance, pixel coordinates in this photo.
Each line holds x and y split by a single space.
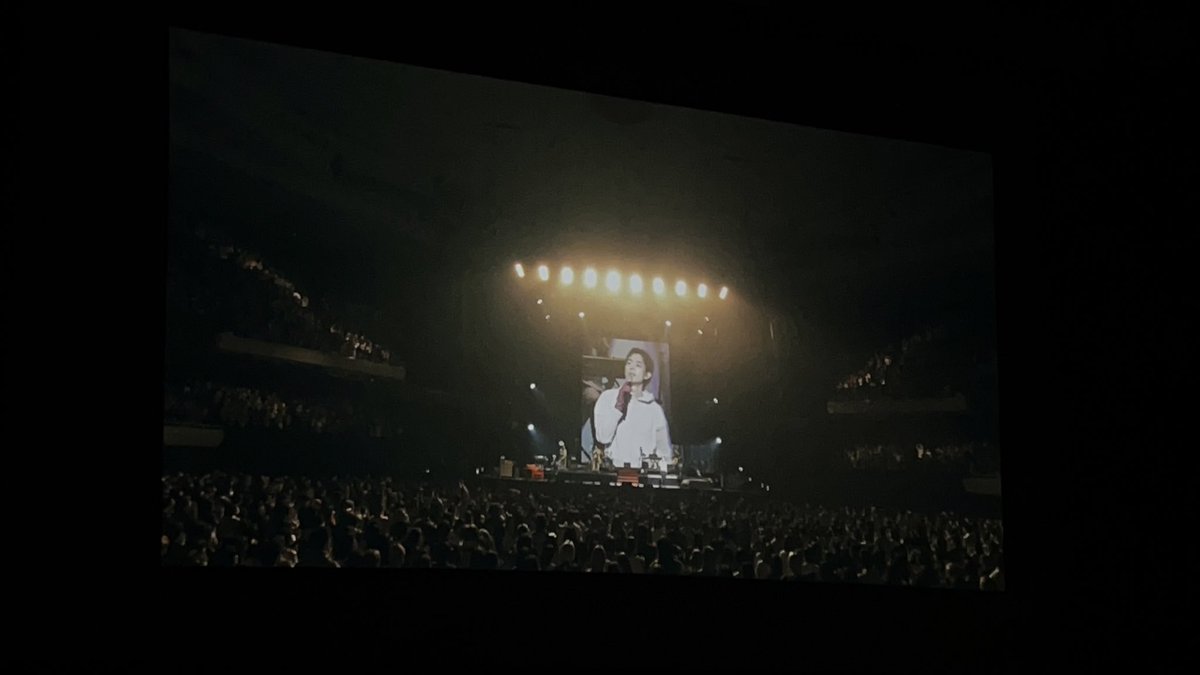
543 273
567 276
589 278
702 291
635 284
520 270
660 286
681 288
613 281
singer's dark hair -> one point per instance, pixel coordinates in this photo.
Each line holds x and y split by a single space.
645 358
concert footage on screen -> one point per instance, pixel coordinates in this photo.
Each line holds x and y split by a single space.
422 319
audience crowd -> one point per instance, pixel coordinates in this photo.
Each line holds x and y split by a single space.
973 457
293 521
254 300
244 407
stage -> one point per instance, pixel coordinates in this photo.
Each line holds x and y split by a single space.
621 478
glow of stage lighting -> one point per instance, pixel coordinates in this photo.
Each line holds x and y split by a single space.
681 288
520 270
547 317
660 286
529 427
635 284
668 322
533 385
567 276
589 278
719 441
539 301
613 281
699 332
702 291
714 401
581 315
724 292
543 273
706 319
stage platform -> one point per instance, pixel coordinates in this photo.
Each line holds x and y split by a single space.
612 479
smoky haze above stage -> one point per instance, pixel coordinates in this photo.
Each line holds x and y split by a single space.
410 177
411 193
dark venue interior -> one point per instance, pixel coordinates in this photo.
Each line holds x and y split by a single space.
791 269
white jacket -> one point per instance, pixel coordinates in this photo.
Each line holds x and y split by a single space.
643 429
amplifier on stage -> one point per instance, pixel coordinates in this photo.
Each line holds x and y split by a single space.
627 476
506 468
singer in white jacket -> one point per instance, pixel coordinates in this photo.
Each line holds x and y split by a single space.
629 422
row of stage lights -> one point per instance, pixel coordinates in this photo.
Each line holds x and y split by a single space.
612 281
